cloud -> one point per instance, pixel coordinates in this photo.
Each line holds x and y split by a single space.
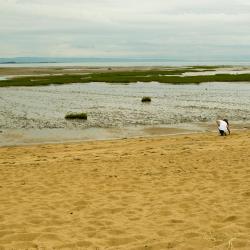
143 28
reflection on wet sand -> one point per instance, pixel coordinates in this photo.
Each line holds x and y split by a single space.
11 137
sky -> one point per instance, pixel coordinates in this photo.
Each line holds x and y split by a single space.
173 29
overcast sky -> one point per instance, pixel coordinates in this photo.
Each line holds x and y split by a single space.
186 29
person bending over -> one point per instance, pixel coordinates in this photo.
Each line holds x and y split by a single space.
223 127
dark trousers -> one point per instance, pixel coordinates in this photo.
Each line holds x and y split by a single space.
222 132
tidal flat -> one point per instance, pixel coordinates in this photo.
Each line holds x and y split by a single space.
115 110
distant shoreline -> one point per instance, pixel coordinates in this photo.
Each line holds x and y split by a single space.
24 62
112 62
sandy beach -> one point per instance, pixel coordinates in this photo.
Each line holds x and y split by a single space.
173 192
111 116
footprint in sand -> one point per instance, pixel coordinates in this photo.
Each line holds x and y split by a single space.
4 233
49 238
230 218
20 237
118 241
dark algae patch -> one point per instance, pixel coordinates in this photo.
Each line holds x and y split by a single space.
73 116
171 76
146 99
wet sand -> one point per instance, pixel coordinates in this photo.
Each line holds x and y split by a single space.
17 70
15 137
20 71
175 192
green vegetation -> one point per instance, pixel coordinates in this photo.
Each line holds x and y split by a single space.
82 116
172 76
146 99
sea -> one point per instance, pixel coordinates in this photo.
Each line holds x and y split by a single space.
110 62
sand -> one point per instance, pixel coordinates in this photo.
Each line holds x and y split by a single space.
172 192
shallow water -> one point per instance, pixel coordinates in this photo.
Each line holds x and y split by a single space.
58 135
120 106
2 78
211 73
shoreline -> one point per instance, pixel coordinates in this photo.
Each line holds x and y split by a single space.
24 144
23 137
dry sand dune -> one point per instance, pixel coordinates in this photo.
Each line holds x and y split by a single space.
175 192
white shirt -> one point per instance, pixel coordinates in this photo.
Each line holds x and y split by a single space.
223 125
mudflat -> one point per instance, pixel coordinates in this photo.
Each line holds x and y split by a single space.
20 71
180 192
